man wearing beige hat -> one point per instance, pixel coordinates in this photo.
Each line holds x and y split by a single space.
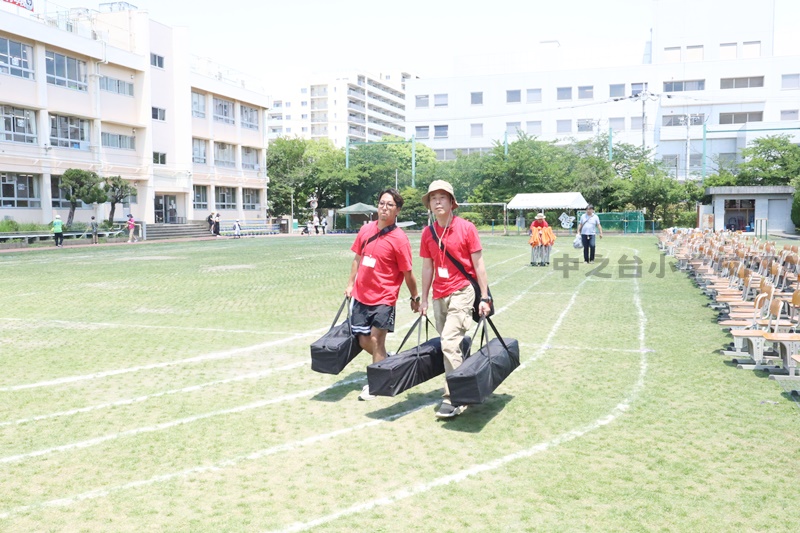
451 238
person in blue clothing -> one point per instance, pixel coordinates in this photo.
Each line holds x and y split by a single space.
589 227
58 232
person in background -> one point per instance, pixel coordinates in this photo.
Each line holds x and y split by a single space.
58 231
453 293
324 224
589 227
381 264
216 225
131 229
316 223
210 220
93 227
541 241
237 230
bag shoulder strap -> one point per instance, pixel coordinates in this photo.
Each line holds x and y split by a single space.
339 312
382 232
452 259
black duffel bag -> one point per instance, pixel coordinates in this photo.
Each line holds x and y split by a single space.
481 373
398 373
331 353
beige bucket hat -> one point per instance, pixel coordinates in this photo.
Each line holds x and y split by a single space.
438 185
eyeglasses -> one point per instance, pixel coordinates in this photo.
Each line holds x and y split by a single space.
387 204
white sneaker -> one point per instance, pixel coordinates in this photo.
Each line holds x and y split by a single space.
365 395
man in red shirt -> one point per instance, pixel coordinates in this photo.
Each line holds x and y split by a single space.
382 262
453 294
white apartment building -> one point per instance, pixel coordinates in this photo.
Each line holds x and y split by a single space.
358 106
117 93
716 75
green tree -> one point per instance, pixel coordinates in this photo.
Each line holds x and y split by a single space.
771 160
81 186
117 189
652 188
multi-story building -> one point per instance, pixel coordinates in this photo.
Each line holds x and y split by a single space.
360 107
117 93
704 91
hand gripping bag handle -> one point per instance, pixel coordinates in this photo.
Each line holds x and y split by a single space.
485 332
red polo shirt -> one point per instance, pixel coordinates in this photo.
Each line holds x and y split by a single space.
380 285
461 240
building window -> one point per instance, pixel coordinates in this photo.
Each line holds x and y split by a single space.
157 60
790 81
533 96
726 159
790 114
199 151
116 86
741 83
423 100
670 161
225 197
513 127
69 132
159 113
439 100
695 119
638 88
198 105
476 98
224 155
636 123
616 123
303 103
513 96
564 93
250 158
695 160
440 132
680 86
117 140
672 54
476 130
159 158
751 49
19 190
58 195
533 127
585 125
200 200
741 118
586 92
694 53
249 117
727 51
304 90
288 117
65 71
616 90
563 126
18 124
423 132
223 111
277 104
250 199
16 59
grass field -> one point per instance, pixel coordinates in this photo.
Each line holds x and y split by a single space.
166 387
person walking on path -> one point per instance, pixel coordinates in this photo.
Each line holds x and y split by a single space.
382 262
58 232
216 225
93 227
210 220
132 229
453 293
589 228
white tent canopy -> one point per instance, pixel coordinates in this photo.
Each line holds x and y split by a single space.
548 200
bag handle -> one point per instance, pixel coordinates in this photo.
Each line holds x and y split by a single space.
484 320
416 324
339 312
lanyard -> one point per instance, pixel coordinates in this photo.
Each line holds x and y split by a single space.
382 232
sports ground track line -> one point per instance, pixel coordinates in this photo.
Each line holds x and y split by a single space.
474 470
227 463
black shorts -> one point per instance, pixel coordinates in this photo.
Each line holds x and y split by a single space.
365 317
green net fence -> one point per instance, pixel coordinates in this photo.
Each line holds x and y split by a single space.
625 222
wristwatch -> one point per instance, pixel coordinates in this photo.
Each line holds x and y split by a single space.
415 299
487 300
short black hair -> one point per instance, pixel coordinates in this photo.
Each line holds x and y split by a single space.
590 206
395 194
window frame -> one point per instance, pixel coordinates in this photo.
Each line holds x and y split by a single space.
200 196
198 105
66 71
225 197
159 158
224 110
24 66
199 151
249 117
226 149
12 115
10 183
70 125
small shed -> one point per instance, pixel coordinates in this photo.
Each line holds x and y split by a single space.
744 208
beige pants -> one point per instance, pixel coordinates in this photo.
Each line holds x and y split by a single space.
453 318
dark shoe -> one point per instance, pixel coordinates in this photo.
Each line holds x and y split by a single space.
447 410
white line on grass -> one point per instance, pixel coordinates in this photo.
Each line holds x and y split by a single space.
474 470
174 423
227 463
578 348
71 323
139 399
236 352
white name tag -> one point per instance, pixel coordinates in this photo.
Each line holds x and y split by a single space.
368 261
443 273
